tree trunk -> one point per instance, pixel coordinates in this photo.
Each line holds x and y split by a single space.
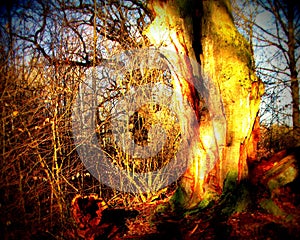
204 31
293 69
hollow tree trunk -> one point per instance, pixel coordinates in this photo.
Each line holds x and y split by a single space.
204 31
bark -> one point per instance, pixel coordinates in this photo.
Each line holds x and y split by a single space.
205 32
293 68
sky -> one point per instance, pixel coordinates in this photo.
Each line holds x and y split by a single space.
262 57
276 103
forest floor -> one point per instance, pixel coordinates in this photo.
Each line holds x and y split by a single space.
253 223
250 210
254 209
153 221
250 224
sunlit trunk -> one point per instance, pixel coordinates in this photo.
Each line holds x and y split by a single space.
205 32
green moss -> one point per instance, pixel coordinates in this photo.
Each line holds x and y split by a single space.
235 197
272 208
230 182
208 200
162 208
243 201
285 177
177 202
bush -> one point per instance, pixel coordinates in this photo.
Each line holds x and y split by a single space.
275 138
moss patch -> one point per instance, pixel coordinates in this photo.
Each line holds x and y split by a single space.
178 200
285 177
235 197
271 207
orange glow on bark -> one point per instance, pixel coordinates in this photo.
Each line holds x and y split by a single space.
168 32
222 143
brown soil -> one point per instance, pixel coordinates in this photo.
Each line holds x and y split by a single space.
252 223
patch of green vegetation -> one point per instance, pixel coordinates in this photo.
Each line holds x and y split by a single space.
244 201
177 202
208 200
287 176
162 208
230 183
271 207
235 197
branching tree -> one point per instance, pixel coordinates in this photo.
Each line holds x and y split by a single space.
56 42
46 48
273 28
